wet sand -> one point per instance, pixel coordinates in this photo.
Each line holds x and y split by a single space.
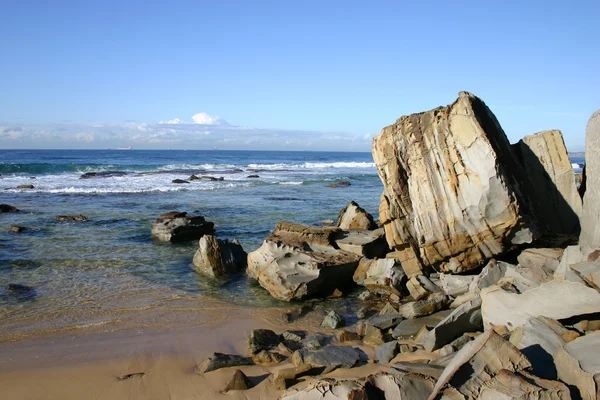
86 364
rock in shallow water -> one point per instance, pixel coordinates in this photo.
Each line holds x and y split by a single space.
177 226
218 258
7 208
453 189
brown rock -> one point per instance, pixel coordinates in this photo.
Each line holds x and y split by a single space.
355 217
239 381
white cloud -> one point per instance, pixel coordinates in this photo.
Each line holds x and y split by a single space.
174 121
84 137
205 119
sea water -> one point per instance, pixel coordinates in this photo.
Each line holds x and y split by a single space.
105 270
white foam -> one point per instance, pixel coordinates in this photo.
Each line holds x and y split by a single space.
292 183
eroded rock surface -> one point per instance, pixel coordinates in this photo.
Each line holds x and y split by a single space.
354 216
177 226
590 220
218 258
453 189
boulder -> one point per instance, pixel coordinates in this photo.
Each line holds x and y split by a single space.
369 244
421 308
453 189
217 258
466 318
545 158
239 381
265 357
330 357
384 275
177 226
410 327
555 299
578 364
590 217
7 208
298 261
490 275
262 339
401 387
355 217
220 360
477 364
420 287
332 320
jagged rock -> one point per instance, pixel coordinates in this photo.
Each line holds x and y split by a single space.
176 226
410 327
355 217
545 259
466 318
7 208
347 336
455 285
326 389
555 299
298 261
526 278
539 340
571 255
372 336
421 308
452 186
509 385
388 309
578 364
71 218
385 321
386 351
332 320
264 357
284 378
262 339
590 217
220 360
369 244
239 381
216 257
401 387
490 275
478 363
431 370
330 357
420 287
384 275
545 158
588 272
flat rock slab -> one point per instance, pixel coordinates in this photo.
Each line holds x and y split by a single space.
402 387
421 308
500 307
385 321
510 385
433 371
328 357
326 389
365 243
578 364
386 352
220 360
410 327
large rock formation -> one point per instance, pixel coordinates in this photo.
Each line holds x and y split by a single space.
177 226
453 188
299 261
546 161
218 258
590 220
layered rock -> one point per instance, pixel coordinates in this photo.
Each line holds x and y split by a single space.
545 158
590 220
355 217
453 189
218 258
177 226
299 261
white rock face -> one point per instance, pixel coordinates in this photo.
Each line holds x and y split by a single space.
555 299
590 220
452 186
355 217
383 275
546 161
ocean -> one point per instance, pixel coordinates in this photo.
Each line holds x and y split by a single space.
105 271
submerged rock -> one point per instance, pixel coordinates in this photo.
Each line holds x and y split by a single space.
176 226
21 292
7 208
453 189
179 181
17 229
218 258
71 218
299 261
25 187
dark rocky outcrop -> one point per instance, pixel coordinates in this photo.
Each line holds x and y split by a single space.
177 226
7 208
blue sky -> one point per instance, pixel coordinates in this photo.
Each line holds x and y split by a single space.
322 75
